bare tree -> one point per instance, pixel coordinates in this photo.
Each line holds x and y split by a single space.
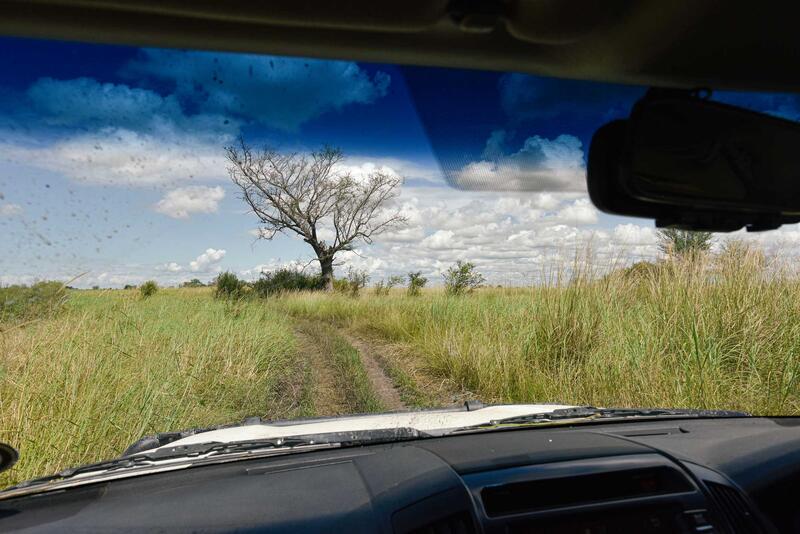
302 194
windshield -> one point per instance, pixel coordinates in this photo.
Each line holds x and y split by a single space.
189 238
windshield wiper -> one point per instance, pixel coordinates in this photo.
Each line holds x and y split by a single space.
590 413
211 452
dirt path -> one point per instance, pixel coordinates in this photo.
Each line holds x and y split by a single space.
382 385
326 397
349 372
337 384
410 380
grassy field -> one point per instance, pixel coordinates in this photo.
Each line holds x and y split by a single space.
110 368
81 385
721 333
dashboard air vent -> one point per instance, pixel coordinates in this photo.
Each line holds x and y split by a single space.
732 508
459 523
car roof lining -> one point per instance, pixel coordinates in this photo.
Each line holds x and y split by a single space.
700 43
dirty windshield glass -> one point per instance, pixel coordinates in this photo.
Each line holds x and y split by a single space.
189 238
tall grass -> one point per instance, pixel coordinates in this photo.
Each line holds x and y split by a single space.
112 367
712 332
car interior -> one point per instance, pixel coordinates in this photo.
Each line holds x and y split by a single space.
680 473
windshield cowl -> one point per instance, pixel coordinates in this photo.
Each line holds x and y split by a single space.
435 422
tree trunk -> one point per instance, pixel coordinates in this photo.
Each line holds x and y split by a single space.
326 267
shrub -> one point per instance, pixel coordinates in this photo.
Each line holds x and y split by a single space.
194 282
415 283
148 289
642 271
383 287
19 302
462 278
352 285
228 285
683 243
284 280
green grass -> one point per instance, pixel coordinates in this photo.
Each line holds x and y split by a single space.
112 367
349 376
81 384
722 333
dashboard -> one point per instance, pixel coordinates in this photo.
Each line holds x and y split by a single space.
678 475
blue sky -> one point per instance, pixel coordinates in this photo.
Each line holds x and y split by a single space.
112 163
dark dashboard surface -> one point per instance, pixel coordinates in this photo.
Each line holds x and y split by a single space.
724 475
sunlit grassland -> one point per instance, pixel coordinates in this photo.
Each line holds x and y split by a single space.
82 385
719 332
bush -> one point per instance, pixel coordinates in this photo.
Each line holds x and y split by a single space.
129 286
383 287
462 278
284 280
683 243
194 282
148 289
352 285
19 302
415 283
228 286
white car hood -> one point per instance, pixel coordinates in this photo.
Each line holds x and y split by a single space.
423 421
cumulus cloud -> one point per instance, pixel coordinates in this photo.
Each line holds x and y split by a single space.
440 239
276 91
172 267
580 211
512 238
207 261
633 234
180 203
8 209
116 156
118 134
540 165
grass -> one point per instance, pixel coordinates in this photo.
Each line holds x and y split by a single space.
349 377
112 367
721 332
81 383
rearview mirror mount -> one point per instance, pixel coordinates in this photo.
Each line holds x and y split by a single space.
688 162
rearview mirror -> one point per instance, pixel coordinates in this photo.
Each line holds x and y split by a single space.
691 163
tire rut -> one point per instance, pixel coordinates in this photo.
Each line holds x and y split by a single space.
382 384
327 397
331 393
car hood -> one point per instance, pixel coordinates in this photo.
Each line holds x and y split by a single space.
427 421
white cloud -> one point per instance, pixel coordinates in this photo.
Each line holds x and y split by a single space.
172 267
181 202
280 92
581 211
441 239
513 238
411 171
122 157
633 234
207 261
540 165
8 209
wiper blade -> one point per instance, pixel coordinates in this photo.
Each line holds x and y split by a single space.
209 452
588 413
